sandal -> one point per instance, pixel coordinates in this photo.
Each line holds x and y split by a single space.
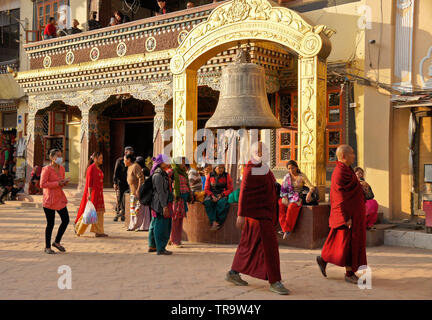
49 251
59 247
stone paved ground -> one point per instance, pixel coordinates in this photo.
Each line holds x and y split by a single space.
119 267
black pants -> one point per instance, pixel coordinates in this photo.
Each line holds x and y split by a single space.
120 207
50 217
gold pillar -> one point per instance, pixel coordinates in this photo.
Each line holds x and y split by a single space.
162 122
312 92
185 110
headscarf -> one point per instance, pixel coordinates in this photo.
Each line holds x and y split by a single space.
161 158
178 170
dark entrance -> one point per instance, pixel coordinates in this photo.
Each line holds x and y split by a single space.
124 121
139 135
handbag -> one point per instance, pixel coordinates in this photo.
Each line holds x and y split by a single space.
315 197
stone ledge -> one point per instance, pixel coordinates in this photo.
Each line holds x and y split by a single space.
408 238
311 229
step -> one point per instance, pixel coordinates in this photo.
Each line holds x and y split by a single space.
375 236
408 238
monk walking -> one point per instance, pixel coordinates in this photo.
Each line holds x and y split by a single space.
258 252
346 243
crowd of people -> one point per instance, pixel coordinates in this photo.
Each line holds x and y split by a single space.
161 191
53 29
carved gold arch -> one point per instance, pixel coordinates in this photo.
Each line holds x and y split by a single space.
242 21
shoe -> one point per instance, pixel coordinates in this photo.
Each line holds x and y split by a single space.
152 249
49 251
101 235
166 252
123 218
130 230
279 288
286 234
235 278
115 219
322 265
353 279
59 247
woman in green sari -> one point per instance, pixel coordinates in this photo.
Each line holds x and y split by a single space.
182 195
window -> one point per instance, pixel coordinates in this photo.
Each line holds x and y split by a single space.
54 127
287 136
47 9
286 149
334 107
9 35
334 139
58 123
335 124
288 109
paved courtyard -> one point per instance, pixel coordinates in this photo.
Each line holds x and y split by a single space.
119 267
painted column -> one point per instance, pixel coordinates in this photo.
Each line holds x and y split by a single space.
34 150
312 90
88 141
185 100
162 121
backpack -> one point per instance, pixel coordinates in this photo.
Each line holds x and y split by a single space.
145 192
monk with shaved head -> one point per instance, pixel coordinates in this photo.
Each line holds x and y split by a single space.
346 243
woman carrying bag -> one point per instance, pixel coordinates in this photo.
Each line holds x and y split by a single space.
52 182
93 192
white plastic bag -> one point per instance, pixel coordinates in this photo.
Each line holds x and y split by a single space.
90 214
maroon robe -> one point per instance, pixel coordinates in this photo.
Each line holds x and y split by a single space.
344 246
257 254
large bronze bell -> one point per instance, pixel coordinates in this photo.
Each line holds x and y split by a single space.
243 100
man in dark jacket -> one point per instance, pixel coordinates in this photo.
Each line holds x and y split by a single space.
6 185
93 23
120 184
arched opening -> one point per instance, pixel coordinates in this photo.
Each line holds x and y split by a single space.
121 121
58 127
242 21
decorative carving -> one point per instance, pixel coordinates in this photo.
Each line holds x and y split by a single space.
94 54
47 62
158 93
250 19
182 35
70 57
121 49
150 44
426 82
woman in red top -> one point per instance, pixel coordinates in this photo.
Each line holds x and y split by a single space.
217 188
52 181
93 192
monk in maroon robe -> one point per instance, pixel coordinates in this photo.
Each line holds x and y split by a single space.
346 243
258 251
